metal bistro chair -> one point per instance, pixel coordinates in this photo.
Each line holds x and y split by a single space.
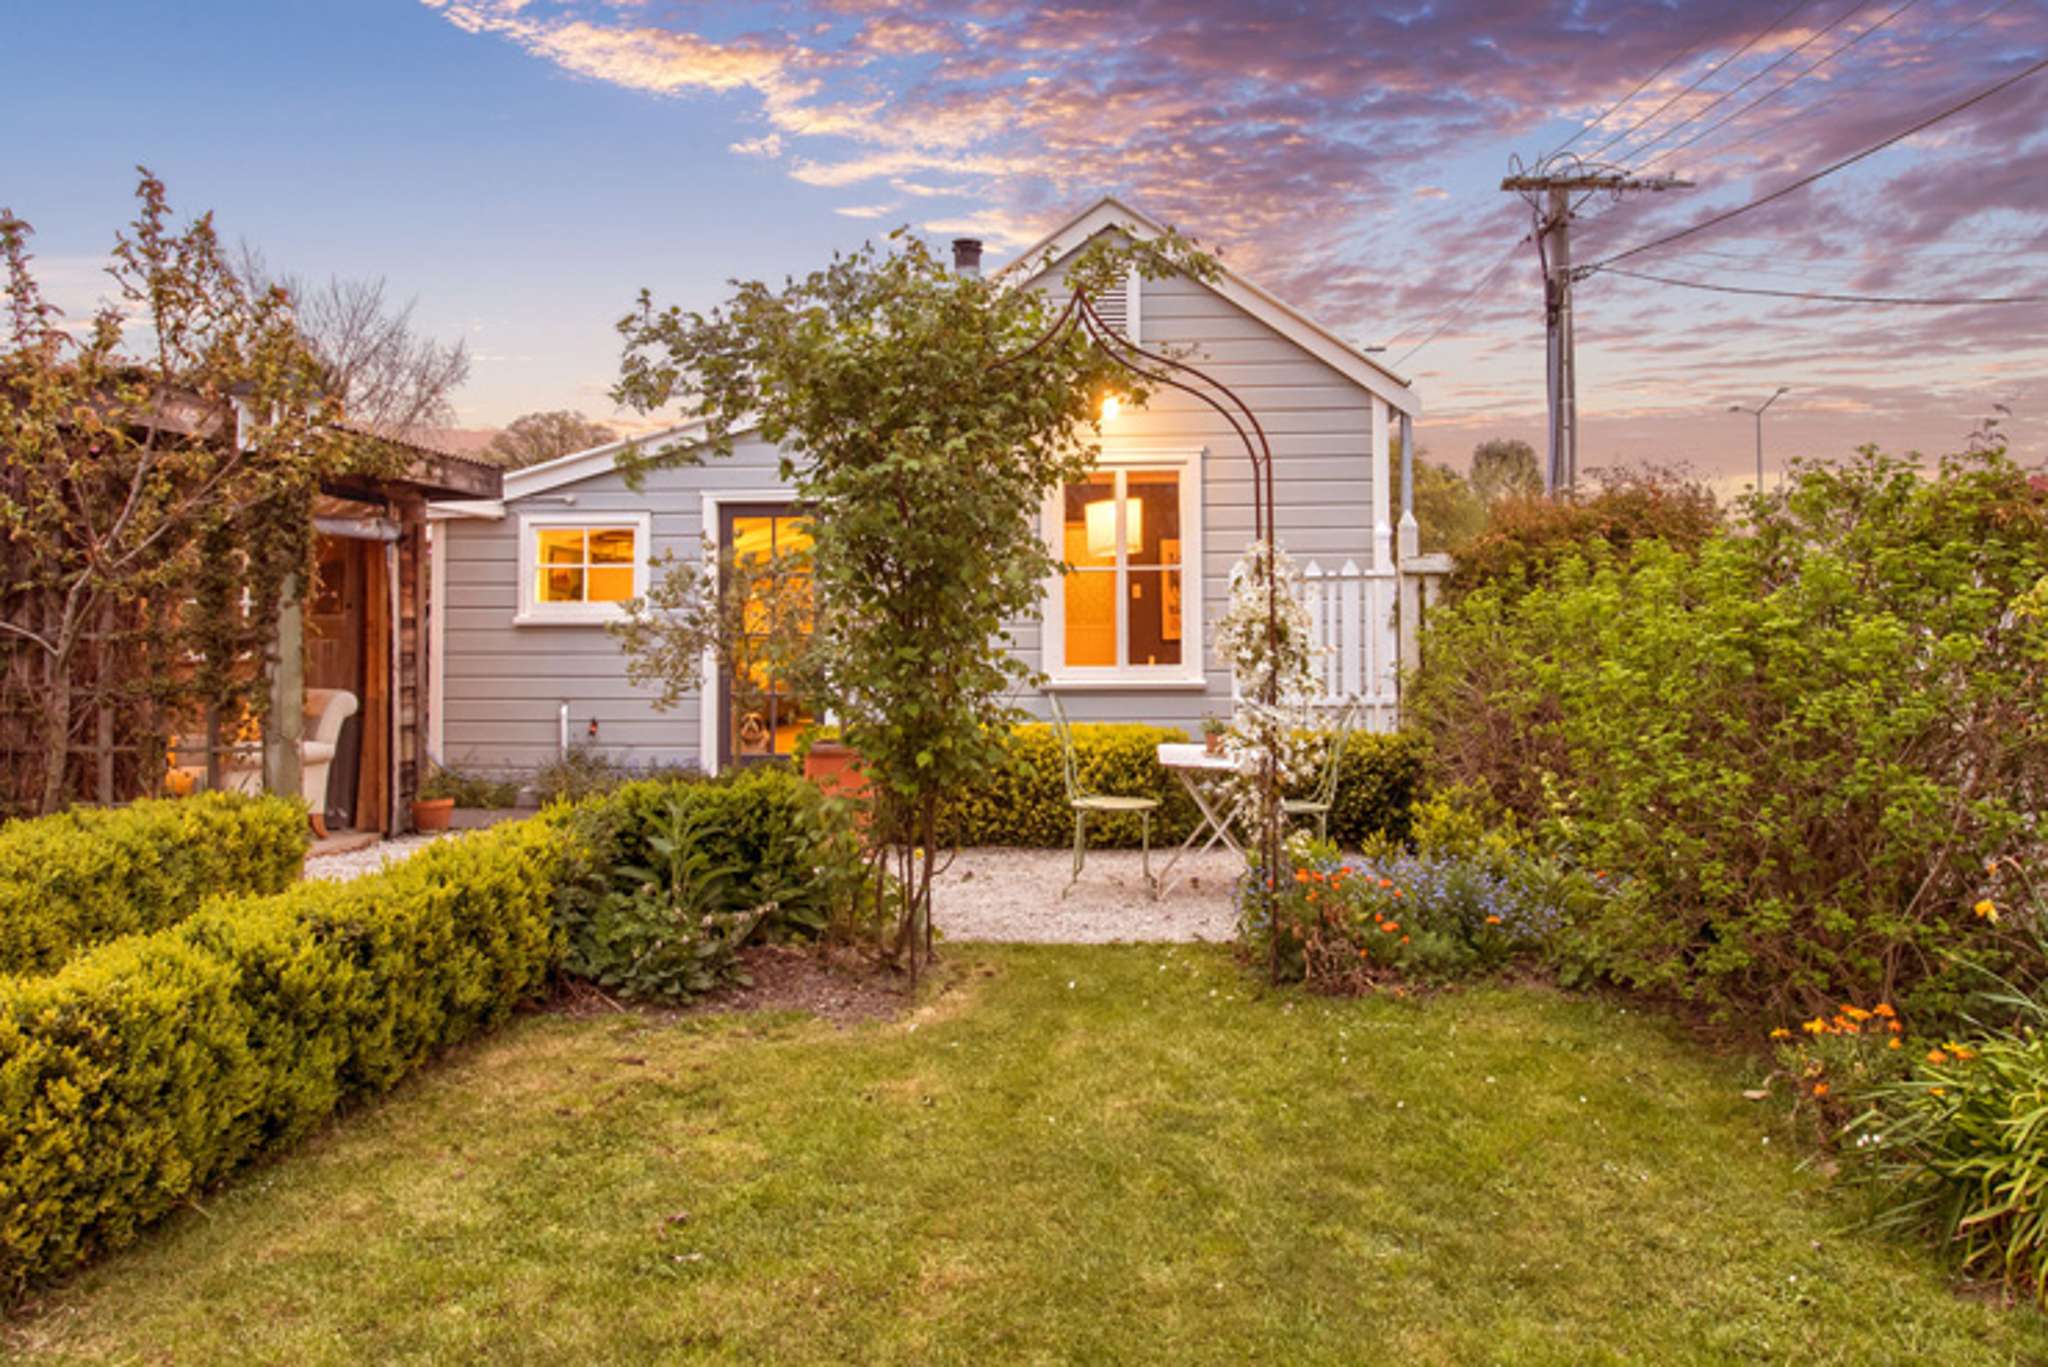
1085 802
1324 796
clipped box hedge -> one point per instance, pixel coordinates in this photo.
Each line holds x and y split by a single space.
146 1069
1380 778
80 878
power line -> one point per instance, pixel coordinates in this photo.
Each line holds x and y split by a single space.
1860 81
1736 89
1780 89
1828 170
1826 298
1464 300
1641 86
1755 38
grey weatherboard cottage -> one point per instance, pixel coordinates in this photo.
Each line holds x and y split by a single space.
524 584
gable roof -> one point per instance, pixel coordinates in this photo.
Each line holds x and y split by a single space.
1110 214
597 460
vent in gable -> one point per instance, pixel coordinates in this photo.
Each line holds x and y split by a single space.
1118 308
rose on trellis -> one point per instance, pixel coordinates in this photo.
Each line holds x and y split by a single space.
1268 640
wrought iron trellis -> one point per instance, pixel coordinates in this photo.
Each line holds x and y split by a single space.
1080 312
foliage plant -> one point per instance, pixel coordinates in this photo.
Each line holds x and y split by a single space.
923 415
1526 535
147 1069
468 790
177 470
82 877
1796 746
761 837
1953 1139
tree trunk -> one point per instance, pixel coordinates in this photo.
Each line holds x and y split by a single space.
56 724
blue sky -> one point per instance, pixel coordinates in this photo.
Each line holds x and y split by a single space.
524 166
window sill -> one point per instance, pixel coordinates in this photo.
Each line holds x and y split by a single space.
1172 683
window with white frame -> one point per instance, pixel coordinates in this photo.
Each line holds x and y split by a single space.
579 567
1127 607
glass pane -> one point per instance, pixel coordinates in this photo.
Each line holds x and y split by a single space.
561 546
753 538
1154 605
611 545
792 534
561 586
1091 619
1152 517
1090 523
611 585
751 734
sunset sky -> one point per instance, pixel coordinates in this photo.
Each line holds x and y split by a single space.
524 166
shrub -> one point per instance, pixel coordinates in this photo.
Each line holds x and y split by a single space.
677 875
1528 537
148 1068
1799 745
80 878
584 772
1027 805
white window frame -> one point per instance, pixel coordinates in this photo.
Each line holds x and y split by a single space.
1187 463
533 612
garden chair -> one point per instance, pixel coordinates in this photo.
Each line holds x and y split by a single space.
1324 796
1085 802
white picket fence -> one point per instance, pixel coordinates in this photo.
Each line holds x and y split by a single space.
1363 642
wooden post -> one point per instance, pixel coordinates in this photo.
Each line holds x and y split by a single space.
284 721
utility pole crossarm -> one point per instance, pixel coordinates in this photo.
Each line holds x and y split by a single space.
1604 180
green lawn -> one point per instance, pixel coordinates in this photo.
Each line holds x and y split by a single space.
1073 1153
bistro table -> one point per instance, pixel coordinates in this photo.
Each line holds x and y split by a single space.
1205 777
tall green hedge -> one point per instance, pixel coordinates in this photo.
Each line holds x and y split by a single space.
81 878
150 1067
1380 778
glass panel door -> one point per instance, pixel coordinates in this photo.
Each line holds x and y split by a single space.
760 713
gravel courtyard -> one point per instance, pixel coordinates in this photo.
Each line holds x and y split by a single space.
1005 895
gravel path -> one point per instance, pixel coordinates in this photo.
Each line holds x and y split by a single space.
356 863
1004 894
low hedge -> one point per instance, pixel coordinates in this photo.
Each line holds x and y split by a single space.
1380 778
146 1069
80 878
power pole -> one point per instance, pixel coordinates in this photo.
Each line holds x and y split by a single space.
1758 414
1555 180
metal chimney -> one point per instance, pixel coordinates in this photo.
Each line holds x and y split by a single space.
967 255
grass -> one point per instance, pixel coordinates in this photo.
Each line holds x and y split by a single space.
1073 1153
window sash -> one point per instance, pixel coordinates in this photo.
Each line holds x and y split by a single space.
1157 569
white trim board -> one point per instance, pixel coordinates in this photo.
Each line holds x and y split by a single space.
1188 462
1110 214
707 680
532 613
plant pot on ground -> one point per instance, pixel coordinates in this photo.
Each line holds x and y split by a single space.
432 813
835 768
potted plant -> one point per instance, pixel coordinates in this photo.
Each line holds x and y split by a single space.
433 806
1214 729
833 765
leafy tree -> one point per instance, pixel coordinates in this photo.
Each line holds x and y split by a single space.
532 438
168 487
1447 512
1504 468
924 416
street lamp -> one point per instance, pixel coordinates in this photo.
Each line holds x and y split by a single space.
1758 413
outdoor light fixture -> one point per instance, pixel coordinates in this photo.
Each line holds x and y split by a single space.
1101 515
1111 406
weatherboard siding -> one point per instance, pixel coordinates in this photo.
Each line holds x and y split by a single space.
504 683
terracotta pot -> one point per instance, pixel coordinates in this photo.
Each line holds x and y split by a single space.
432 813
835 768
1214 742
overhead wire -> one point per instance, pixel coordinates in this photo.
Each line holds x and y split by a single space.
1884 299
1802 182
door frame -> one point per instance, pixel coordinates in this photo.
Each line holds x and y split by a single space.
710 729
